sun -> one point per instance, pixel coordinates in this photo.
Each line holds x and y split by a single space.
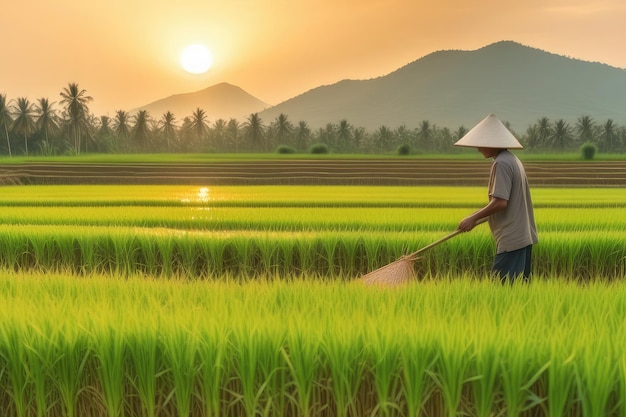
196 59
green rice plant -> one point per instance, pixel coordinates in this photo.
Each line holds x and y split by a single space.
148 257
125 255
485 368
272 372
43 256
301 355
452 370
245 255
286 219
71 348
108 347
268 252
383 354
285 196
343 357
12 247
305 256
375 252
214 353
86 247
39 363
620 408
180 344
223 257
286 235
247 356
595 378
582 255
350 254
327 255
13 357
164 249
517 376
467 252
144 357
185 256
266 346
418 357
286 258
561 377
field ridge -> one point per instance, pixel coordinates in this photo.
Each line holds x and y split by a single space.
416 172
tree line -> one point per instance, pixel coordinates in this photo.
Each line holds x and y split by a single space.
69 127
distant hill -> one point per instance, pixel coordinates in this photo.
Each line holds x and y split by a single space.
459 88
220 101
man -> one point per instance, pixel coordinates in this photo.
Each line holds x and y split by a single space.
510 210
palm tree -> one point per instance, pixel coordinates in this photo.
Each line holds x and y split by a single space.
586 126
561 134
232 131
185 134
460 132
199 124
609 136
5 119
121 128
383 138
105 126
532 137
76 111
121 124
141 129
282 129
104 134
303 135
443 139
360 137
24 122
255 132
46 119
543 131
168 127
219 134
328 135
344 136
424 135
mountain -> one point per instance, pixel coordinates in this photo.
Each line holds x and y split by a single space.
456 88
220 101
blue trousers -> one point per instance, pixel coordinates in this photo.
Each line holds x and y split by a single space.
508 266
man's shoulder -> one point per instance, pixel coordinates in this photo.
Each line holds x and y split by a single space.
506 157
505 154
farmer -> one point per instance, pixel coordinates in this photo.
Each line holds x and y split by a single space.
510 209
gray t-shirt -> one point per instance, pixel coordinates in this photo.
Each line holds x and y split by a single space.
514 227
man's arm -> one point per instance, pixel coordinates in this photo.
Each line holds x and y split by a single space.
495 205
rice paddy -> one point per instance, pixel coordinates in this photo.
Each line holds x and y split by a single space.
245 301
325 231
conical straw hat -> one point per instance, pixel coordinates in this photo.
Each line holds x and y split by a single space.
489 133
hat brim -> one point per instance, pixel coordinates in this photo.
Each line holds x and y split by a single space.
489 133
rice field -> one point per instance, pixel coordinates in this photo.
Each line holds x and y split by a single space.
245 301
324 231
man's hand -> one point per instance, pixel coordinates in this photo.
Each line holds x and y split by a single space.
467 224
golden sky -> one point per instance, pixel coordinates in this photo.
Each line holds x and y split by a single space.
126 53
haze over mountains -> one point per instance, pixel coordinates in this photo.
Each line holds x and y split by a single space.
220 101
452 88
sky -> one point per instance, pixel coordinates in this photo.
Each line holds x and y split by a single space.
126 53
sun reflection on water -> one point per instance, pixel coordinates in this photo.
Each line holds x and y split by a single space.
202 196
